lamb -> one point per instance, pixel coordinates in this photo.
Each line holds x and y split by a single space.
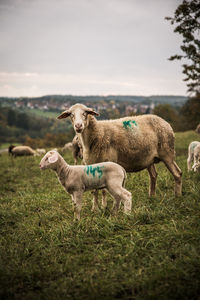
136 142
22 151
80 178
193 156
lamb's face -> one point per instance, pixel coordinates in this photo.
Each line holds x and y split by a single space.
79 116
49 160
196 166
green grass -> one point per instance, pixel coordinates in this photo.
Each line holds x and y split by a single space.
152 254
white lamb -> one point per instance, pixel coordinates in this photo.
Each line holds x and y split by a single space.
78 179
193 156
136 142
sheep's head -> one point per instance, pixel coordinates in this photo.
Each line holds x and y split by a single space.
196 166
79 116
49 160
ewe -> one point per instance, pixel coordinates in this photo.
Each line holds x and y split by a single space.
78 179
193 156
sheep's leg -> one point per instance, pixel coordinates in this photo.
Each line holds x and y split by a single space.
77 198
95 206
177 173
189 161
121 194
104 200
153 177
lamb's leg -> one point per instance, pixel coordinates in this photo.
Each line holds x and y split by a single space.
121 194
95 206
177 173
104 200
77 198
189 161
153 176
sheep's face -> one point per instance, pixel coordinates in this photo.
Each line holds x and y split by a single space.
49 160
79 116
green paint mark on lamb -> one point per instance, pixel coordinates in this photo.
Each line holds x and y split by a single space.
129 124
94 171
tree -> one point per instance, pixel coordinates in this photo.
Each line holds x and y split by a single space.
187 21
191 112
167 112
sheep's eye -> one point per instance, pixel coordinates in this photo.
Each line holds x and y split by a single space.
84 115
46 158
72 116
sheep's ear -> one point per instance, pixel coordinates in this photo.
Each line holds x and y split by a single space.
91 111
64 114
53 158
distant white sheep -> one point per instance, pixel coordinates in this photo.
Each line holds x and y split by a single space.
78 179
67 147
136 142
41 151
193 156
23 151
198 129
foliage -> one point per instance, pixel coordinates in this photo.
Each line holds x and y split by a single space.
168 113
17 126
151 254
191 112
187 20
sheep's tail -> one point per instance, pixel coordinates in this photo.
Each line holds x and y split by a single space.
125 176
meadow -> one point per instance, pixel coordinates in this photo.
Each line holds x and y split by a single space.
152 254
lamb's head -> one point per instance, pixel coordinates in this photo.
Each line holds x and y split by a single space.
49 161
79 116
196 166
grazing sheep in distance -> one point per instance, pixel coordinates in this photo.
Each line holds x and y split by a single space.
23 151
78 179
67 146
136 142
193 156
198 129
41 151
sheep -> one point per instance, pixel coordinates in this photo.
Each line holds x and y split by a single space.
77 150
193 156
136 142
67 146
198 129
23 150
41 151
80 178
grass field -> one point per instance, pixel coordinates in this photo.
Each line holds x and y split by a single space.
152 254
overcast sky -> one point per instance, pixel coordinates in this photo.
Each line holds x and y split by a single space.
89 47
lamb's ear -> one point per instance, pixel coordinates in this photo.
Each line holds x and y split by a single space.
91 111
64 114
53 158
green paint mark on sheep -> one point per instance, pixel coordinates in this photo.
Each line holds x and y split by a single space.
94 171
129 124
193 145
